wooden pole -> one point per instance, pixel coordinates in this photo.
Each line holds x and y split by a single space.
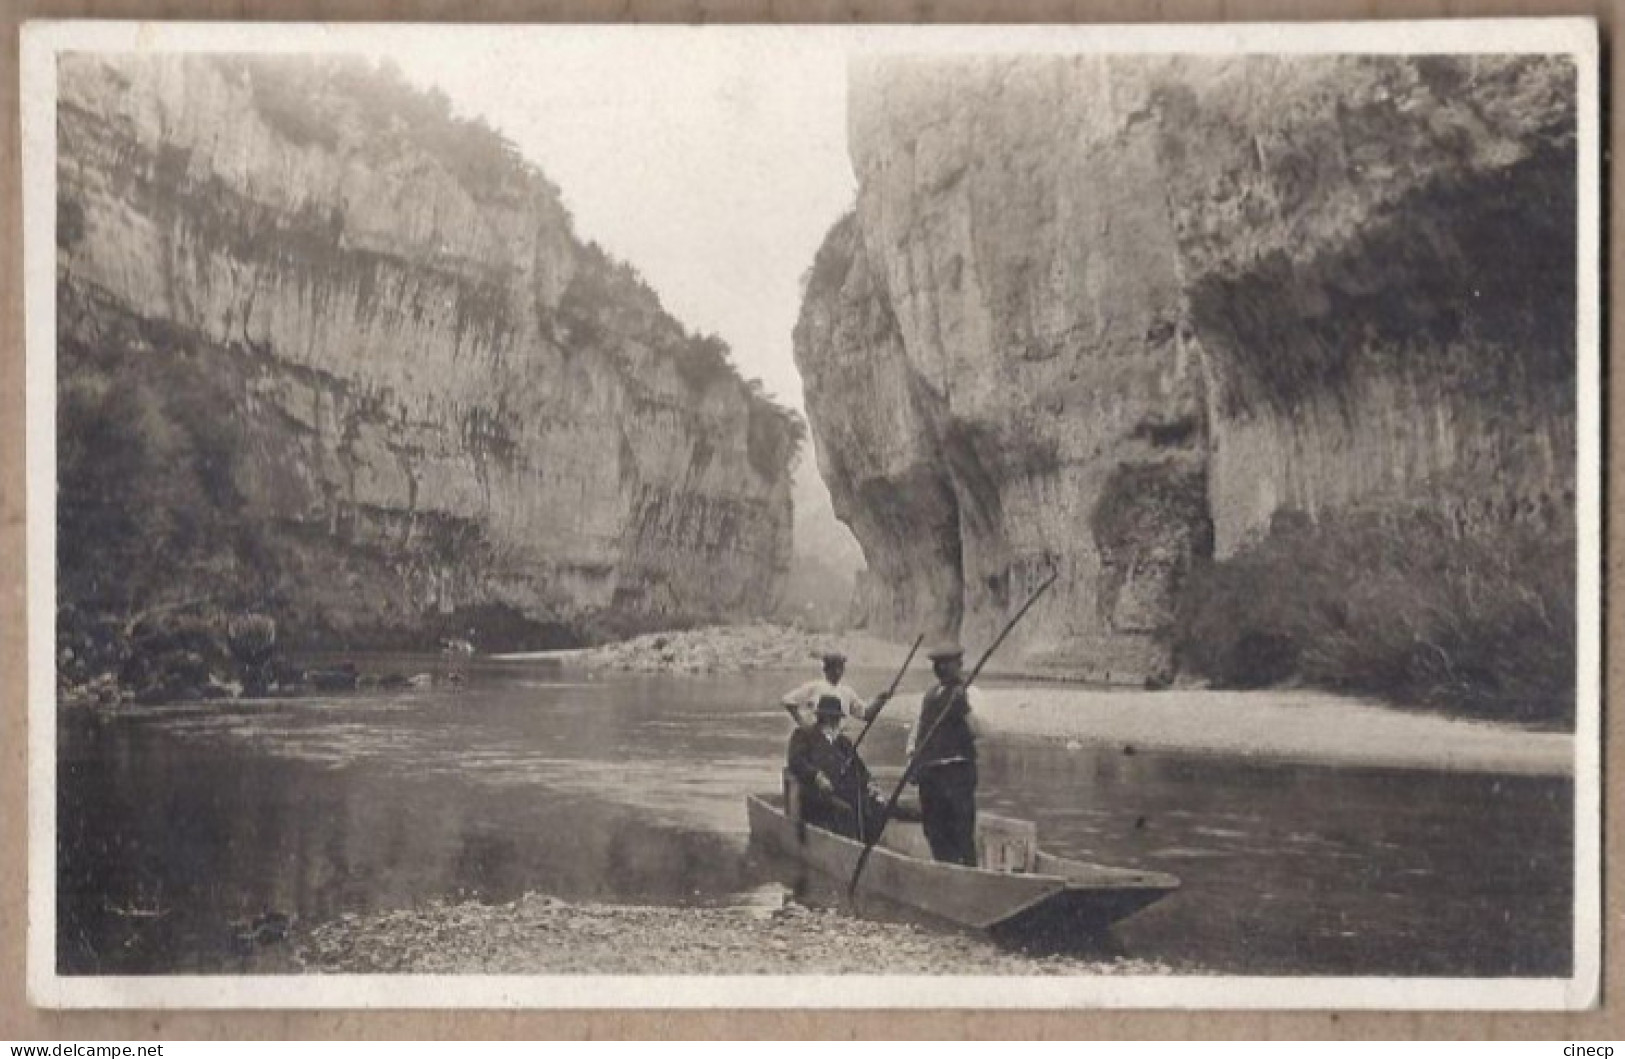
869 722
908 768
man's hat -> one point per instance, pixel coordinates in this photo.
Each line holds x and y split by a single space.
944 650
829 704
833 655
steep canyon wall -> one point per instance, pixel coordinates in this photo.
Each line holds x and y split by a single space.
329 351
1118 317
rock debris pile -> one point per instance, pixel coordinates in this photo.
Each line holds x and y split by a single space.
715 649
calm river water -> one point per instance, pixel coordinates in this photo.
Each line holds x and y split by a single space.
179 826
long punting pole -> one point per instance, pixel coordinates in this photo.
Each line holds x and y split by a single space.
875 714
908 768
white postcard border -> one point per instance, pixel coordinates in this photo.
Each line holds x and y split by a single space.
41 41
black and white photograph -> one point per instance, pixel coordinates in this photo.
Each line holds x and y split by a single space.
790 516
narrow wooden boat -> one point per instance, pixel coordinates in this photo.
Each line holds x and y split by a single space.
1020 891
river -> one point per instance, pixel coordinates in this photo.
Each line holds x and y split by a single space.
180 826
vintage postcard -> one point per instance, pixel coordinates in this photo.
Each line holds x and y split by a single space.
764 516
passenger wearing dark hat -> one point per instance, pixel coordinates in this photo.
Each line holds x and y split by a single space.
837 793
945 765
801 700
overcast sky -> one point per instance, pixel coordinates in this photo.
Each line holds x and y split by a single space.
714 166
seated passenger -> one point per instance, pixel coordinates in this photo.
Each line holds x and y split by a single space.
837 793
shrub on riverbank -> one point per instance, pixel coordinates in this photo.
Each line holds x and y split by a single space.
166 654
1398 606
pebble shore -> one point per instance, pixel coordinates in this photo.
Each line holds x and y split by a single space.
538 934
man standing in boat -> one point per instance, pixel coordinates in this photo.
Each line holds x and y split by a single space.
807 696
945 766
837 793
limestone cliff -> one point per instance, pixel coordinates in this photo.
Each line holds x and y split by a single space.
330 351
1119 316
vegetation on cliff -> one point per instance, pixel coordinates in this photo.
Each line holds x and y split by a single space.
1398 604
147 500
607 299
350 346
319 103
322 102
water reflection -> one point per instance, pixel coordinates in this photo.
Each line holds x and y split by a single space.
1289 869
177 826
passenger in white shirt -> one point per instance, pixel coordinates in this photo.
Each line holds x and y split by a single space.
802 701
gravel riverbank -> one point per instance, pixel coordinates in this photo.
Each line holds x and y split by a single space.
543 935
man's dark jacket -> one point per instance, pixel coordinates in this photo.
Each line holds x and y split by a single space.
851 809
811 754
945 713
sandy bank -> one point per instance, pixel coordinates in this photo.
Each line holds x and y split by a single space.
1303 726
1279 725
543 935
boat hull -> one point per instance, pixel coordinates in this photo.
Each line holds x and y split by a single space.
1061 898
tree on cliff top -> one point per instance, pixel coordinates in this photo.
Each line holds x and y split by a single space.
609 298
326 102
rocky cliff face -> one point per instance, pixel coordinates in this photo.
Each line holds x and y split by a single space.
1117 317
327 348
